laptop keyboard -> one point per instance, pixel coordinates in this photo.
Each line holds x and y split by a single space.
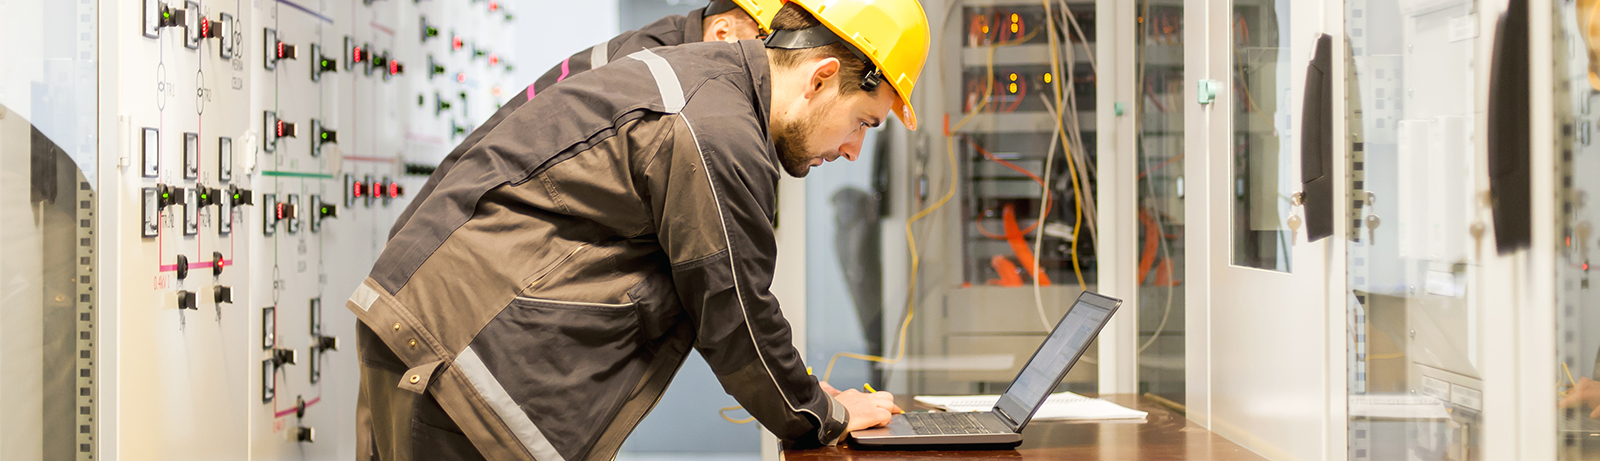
943 423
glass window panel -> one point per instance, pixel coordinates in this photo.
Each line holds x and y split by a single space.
1160 190
1016 163
1576 48
1415 373
48 143
1263 179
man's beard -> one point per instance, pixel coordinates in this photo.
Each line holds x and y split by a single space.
789 137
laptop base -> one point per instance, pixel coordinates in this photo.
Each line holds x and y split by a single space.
859 445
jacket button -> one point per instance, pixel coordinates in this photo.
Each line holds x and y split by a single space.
415 378
396 327
412 343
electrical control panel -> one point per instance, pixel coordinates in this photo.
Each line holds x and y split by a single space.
266 149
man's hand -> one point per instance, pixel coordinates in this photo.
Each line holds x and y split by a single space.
1586 393
828 388
867 410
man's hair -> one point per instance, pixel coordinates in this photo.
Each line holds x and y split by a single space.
793 17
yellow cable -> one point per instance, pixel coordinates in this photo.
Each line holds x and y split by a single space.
1066 146
723 412
911 239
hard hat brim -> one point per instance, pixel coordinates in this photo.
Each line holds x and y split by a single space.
902 109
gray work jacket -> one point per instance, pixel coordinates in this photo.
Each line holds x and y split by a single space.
668 31
554 281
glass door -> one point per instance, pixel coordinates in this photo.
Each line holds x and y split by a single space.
1415 156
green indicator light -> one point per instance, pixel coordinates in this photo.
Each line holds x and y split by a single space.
324 209
166 196
324 136
166 15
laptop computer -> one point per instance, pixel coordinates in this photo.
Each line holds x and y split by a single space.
1001 426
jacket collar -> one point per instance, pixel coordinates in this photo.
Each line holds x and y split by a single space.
694 27
755 59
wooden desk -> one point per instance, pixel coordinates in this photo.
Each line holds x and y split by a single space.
1164 435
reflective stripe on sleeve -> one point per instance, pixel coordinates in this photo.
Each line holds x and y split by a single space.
599 54
666 80
503 405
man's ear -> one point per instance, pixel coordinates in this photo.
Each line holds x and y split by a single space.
721 30
822 74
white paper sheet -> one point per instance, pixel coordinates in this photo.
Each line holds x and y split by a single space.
1063 406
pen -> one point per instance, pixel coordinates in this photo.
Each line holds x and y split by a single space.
868 388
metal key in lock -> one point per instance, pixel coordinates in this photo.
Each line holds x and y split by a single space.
1294 229
1372 229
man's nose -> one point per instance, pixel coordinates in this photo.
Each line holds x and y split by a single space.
852 149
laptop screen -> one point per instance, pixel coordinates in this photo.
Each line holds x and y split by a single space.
1059 351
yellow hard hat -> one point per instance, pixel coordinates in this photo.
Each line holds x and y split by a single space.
760 10
892 34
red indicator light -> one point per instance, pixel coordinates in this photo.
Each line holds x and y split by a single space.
494 59
494 6
394 190
356 55
394 67
1586 267
355 189
280 128
280 50
279 207
205 28
455 42
377 188
461 77
496 92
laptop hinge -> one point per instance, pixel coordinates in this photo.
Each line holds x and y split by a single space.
1006 418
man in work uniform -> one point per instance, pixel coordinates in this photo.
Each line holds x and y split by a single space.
721 20
548 290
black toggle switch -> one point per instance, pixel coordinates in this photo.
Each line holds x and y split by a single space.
241 196
285 129
281 357
434 68
210 29
168 195
285 51
439 104
222 294
172 17
428 31
186 300
206 196
323 63
286 210
325 135
216 264
325 343
305 434
183 268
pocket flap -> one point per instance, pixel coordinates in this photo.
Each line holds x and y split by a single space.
416 379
